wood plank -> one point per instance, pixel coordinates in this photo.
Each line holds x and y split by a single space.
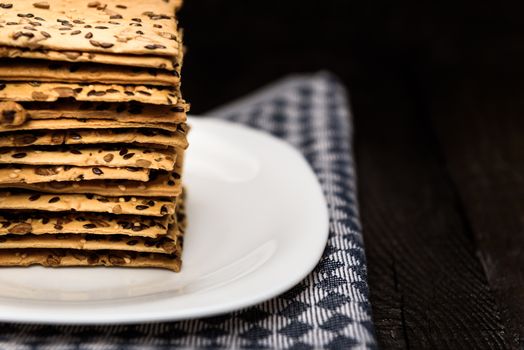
428 289
480 124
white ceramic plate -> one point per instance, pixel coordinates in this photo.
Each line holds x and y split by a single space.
258 224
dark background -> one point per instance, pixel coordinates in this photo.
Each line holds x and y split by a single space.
436 90
236 46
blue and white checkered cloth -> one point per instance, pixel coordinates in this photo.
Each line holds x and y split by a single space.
330 309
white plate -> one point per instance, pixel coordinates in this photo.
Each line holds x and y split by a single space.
258 224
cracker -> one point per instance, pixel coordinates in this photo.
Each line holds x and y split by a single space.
19 70
72 257
12 114
161 185
161 244
78 56
86 203
142 27
122 112
35 91
100 136
39 223
92 156
75 257
178 4
46 173
64 124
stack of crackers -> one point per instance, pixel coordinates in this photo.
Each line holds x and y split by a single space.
92 133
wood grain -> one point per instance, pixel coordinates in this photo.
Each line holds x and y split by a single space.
481 133
428 289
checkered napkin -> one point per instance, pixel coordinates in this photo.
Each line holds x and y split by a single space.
329 309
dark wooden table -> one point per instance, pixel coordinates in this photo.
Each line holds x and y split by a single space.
438 97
